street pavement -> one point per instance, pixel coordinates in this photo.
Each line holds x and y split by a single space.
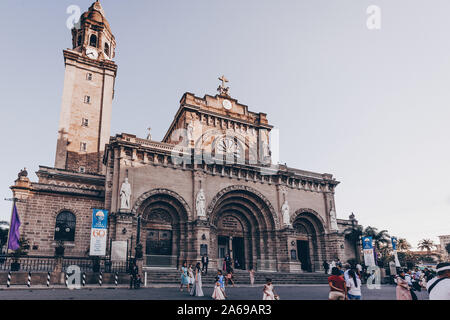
165 292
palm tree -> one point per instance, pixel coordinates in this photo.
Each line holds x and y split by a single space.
426 244
403 244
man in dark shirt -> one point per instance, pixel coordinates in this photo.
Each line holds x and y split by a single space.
205 261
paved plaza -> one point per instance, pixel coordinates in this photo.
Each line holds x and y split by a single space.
286 292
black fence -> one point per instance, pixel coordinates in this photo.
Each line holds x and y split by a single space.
27 263
48 264
93 264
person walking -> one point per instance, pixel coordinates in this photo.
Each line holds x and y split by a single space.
325 266
218 293
439 287
338 288
402 291
229 277
134 272
227 261
184 276
221 280
268 292
252 276
205 262
353 285
332 265
197 290
409 280
191 278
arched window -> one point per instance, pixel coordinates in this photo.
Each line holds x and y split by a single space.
65 226
93 41
107 49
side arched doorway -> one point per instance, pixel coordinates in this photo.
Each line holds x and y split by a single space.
242 225
163 228
309 232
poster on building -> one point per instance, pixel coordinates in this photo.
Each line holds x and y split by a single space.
119 250
369 259
99 232
394 242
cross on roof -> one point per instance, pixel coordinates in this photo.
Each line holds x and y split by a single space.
224 91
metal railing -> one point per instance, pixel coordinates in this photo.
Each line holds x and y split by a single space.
27 263
48 264
93 264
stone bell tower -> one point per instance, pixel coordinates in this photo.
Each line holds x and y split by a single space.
84 125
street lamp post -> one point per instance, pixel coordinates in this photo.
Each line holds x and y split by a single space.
355 242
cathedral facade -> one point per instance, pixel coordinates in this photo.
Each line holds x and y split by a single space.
209 187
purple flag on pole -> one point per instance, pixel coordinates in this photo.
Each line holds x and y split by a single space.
14 234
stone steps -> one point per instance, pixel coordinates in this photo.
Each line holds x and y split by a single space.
242 277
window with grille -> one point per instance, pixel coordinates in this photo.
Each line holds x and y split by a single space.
83 146
87 99
65 226
85 122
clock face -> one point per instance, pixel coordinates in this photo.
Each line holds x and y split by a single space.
91 53
226 104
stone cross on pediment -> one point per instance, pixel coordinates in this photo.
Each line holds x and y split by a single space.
223 91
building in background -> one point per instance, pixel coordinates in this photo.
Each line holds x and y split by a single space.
209 187
443 242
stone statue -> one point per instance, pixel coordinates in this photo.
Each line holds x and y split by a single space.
125 195
23 173
149 135
190 131
200 204
333 220
286 215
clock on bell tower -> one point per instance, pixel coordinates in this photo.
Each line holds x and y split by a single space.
90 72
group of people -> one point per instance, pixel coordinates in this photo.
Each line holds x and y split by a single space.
191 277
346 285
436 283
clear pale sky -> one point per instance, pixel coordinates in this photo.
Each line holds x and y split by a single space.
369 106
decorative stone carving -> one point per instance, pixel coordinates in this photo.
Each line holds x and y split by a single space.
125 195
200 204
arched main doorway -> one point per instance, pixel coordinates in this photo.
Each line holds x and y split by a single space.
242 225
309 232
163 228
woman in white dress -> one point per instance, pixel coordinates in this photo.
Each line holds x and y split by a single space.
218 293
268 293
191 278
197 287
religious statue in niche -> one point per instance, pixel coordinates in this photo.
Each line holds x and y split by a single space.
125 195
333 219
285 210
200 204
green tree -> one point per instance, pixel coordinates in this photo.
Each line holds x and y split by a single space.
426 244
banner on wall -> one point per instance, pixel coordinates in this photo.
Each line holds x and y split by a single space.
394 242
99 231
369 259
